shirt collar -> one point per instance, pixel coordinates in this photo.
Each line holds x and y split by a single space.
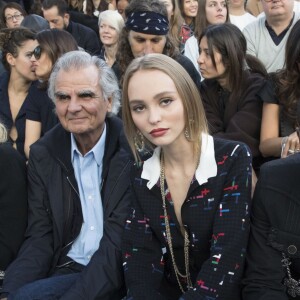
97 150
207 166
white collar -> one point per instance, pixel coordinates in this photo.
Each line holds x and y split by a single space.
207 167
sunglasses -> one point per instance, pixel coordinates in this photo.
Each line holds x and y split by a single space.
37 52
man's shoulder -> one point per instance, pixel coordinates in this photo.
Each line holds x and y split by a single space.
53 141
255 25
79 27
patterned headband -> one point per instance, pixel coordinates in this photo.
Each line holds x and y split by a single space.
148 22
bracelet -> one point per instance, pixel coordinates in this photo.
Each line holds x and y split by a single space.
283 141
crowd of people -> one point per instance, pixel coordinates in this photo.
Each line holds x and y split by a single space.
149 149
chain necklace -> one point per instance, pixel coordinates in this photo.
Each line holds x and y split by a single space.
178 274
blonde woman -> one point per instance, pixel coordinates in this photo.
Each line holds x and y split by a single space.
189 224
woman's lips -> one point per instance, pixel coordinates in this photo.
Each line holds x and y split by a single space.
158 132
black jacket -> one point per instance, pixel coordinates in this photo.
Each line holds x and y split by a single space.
13 203
85 37
275 229
54 216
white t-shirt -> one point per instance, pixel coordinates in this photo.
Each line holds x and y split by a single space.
242 21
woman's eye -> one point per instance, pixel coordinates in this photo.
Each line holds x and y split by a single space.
138 108
166 101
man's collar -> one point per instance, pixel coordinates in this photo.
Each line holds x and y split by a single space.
98 149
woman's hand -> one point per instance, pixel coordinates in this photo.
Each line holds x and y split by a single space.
291 145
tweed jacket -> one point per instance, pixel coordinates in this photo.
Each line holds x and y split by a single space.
215 215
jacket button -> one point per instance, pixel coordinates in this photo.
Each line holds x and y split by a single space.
292 249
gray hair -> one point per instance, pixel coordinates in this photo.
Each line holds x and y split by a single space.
113 18
79 60
3 133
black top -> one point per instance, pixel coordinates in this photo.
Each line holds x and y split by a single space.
6 116
85 37
41 108
13 203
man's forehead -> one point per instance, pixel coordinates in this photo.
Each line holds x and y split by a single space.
77 80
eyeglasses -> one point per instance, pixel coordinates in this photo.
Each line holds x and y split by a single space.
10 18
37 52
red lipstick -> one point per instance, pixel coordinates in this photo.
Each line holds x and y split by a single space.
158 132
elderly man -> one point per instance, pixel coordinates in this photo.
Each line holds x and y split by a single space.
78 191
266 37
56 12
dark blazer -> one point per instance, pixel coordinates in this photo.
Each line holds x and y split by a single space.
85 37
275 229
13 203
216 217
55 216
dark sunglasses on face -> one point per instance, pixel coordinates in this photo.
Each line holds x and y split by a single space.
37 52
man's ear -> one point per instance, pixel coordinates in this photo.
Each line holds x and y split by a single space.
109 104
66 19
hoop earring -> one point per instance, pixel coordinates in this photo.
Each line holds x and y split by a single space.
139 142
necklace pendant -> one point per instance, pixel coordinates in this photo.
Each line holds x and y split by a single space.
293 287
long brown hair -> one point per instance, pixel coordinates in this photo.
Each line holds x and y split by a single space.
288 79
230 42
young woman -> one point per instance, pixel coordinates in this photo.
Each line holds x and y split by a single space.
281 109
110 26
94 7
40 116
188 229
17 45
177 26
209 12
233 86
139 37
13 202
12 14
189 9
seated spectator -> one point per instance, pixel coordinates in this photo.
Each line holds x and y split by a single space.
272 269
281 109
189 224
176 22
40 110
139 38
121 5
13 202
238 14
230 91
12 15
35 22
17 45
209 12
266 37
56 13
111 24
188 9
93 8
78 192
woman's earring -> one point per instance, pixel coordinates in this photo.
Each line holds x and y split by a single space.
139 142
187 134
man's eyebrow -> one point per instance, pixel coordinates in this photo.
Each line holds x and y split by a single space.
60 93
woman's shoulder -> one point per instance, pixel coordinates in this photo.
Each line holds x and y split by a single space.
231 148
